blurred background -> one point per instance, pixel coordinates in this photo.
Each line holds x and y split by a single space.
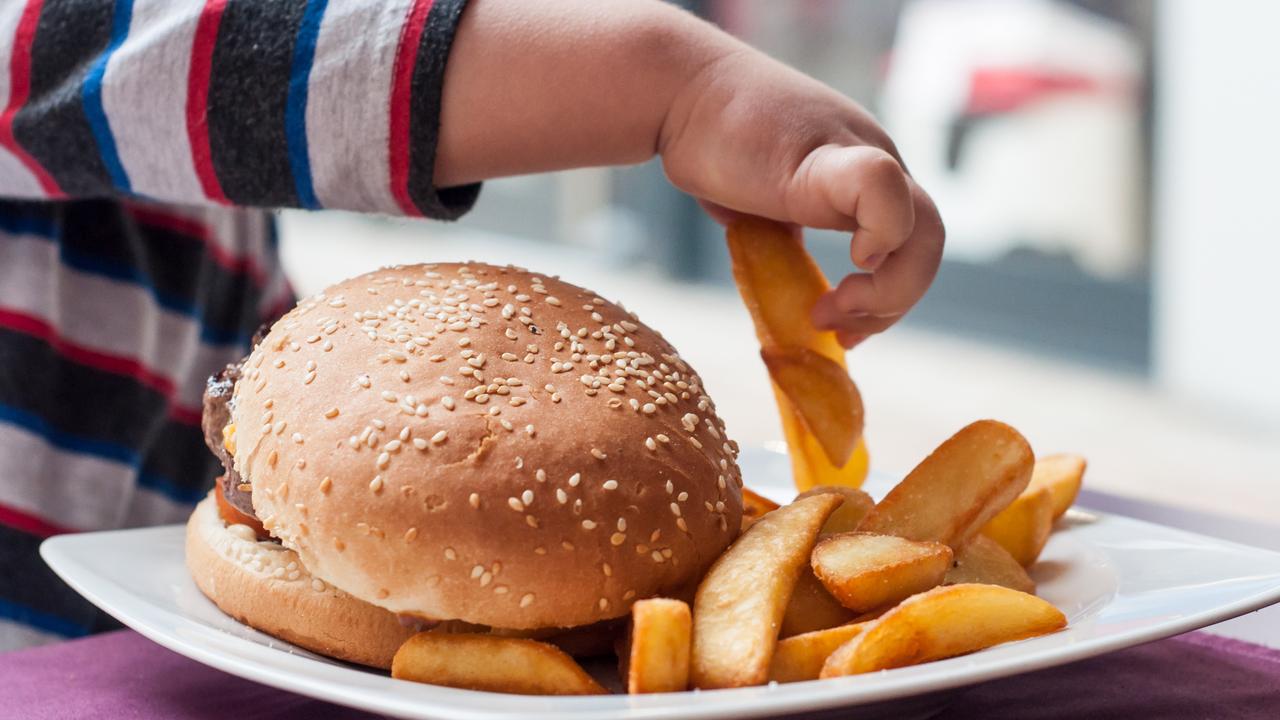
1105 171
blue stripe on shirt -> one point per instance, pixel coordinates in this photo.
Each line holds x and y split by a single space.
46 229
91 93
68 442
41 621
295 114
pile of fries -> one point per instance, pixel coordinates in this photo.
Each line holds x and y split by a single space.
832 584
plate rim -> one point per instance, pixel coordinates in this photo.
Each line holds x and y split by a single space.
817 695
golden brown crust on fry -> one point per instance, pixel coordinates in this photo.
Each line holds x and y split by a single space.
491 664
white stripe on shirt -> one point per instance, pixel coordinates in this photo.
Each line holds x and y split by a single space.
17 180
144 93
348 104
109 316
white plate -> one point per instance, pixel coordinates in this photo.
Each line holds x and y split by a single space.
1121 582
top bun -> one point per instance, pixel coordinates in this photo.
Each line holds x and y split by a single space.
464 441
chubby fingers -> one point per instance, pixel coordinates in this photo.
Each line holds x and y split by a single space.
858 188
867 303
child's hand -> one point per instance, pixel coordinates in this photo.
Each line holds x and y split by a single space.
750 135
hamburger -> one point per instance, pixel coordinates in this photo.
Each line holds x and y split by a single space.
457 446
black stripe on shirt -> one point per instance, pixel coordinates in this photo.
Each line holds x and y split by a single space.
102 414
52 126
248 94
424 124
32 594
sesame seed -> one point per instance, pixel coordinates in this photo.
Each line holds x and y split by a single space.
604 604
598 454
449 554
364 381
526 600
500 590
527 497
589 524
376 484
325 485
392 446
574 479
657 556
515 504
439 437
384 459
448 403
278 427
331 413
622 524
663 438
680 523
486 578
562 496
682 497
675 509
420 443
297 437
610 485
649 443
531 521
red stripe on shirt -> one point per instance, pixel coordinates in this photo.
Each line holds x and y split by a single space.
19 90
206 38
115 364
192 228
30 524
401 99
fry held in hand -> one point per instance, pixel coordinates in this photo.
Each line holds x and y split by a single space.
952 493
1023 528
866 571
492 664
983 560
1063 475
801 657
780 283
823 396
741 601
943 623
657 660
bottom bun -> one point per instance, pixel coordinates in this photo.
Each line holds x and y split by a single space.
265 586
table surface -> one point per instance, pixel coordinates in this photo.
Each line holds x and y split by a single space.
1197 675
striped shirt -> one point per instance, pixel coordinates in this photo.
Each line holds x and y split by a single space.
136 137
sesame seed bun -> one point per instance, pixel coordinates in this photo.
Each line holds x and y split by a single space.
265 586
485 444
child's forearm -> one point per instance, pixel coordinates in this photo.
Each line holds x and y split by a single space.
556 84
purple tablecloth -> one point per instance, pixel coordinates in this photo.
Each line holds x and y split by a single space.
123 676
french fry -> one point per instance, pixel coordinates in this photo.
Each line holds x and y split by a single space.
493 664
779 283
866 571
755 506
740 603
847 517
942 623
660 639
800 657
952 493
823 395
1023 528
1063 475
812 608
982 560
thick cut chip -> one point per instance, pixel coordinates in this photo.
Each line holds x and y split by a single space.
493 664
812 608
950 495
800 657
1063 475
847 517
943 623
823 396
779 283
982 560
660 640
866 571
740 603
1023 528
755 506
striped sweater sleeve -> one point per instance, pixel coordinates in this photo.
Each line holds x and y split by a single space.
270 103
